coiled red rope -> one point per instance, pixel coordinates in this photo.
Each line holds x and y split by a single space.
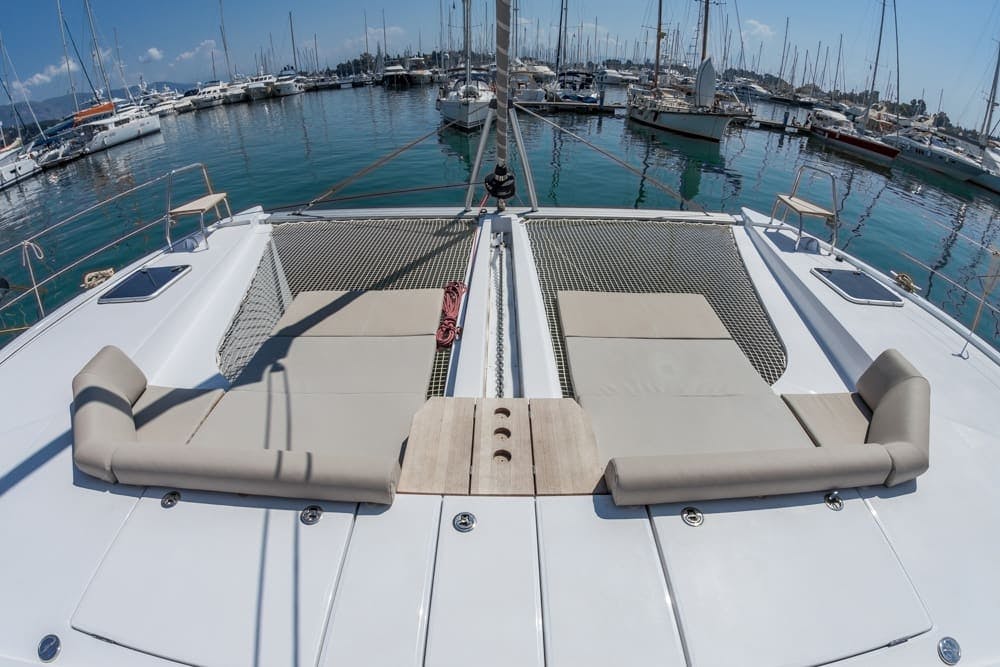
449 330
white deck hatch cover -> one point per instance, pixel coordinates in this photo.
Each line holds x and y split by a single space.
486 603
218 581
379 614
785 581
604 597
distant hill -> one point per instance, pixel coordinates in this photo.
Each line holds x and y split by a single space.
56 108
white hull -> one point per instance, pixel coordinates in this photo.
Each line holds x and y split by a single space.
466 114
989 180
206 101
941 161
698 124
12 172
257 91
119 134
235 95
286 88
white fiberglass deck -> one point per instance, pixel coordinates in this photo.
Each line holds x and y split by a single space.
562 580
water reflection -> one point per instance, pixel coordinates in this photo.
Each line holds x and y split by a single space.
689 157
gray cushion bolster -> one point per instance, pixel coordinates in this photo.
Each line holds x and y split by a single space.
908 462
112 369
645 480
102 419
265 472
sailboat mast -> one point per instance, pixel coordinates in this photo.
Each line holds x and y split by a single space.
704 34
836 70
559 38
984 134
385 36
121 67
467 34
878 52
659 39
97 48
69 71
368 53
295 55
225 42
784 52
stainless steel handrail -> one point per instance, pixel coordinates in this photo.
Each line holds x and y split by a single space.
30 245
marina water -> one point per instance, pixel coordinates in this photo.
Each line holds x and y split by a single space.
285 151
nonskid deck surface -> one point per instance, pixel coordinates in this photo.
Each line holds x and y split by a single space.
653 256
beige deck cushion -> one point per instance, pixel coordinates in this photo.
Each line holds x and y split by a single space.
169 414
324 476
652 424
901 406
103 393
372 313
831 419
315 364
343 424
627 366
647 480
620 315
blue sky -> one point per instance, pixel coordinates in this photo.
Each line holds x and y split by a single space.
942 45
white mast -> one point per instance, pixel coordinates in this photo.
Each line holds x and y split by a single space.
878 52
97 49
984 134
69 71
225 42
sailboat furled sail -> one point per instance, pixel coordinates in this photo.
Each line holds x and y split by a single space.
704 84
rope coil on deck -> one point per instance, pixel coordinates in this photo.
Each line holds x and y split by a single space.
448 330
92 279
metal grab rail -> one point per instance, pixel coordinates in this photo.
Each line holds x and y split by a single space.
830 215
30 245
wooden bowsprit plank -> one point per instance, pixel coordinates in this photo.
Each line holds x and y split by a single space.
439 450
564 449
501 455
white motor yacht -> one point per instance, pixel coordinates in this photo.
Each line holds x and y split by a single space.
235 93
260 86
607 76
17 168
394 77
212 94
930 151
286 84
513 436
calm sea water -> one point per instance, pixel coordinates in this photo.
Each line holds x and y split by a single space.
290 150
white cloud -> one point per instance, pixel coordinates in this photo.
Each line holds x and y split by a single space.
758 29
207 46
50 72
152 54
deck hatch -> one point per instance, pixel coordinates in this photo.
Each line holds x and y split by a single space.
145 284
653 256
857 287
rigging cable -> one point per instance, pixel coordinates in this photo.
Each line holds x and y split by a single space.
665 188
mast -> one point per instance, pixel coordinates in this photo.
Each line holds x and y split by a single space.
121 67
368 53
559 37
784 52
69 71
704 34
97 48
467 30
836 70
225 43
878 52
659 38
295 55
984 134
385 37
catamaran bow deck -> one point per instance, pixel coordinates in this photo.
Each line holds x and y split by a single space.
501 544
